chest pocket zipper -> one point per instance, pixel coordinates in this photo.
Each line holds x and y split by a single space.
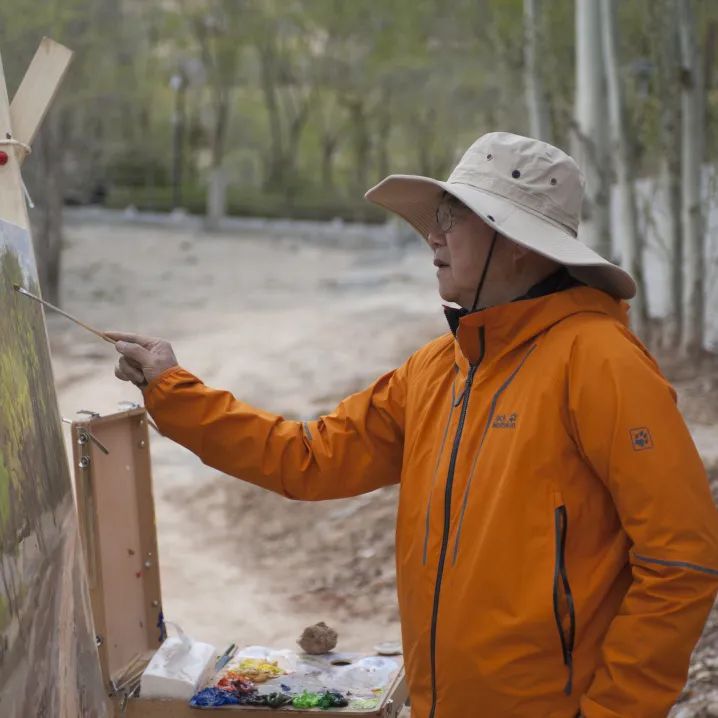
561 587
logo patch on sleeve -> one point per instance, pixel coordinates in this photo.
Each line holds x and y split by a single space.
641 439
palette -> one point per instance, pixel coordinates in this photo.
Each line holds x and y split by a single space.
370 698
362 681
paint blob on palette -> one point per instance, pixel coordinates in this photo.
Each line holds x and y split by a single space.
48 658
259 676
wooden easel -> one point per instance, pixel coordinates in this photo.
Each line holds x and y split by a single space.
22 119
19 123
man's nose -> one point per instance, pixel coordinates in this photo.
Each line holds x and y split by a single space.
436 238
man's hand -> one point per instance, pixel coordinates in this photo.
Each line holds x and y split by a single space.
143 358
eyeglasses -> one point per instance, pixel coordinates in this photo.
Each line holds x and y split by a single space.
448 215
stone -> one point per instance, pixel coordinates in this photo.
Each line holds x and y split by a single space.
318 639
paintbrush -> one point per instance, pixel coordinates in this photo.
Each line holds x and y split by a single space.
97 332
225 658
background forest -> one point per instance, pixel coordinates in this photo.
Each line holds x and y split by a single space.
293 108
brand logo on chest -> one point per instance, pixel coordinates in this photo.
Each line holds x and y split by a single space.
505 421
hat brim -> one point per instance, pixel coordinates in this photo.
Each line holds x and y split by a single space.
415 198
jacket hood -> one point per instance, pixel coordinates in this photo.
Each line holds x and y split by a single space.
487 335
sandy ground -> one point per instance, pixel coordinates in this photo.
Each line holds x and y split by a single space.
291 327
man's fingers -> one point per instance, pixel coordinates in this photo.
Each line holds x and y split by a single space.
145 358
138 354
140 339
128 369
138 380
133 362
121 375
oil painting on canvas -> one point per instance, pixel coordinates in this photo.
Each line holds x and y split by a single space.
48 658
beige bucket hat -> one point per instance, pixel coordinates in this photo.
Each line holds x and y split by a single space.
527 190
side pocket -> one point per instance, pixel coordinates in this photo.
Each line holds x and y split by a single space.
562 595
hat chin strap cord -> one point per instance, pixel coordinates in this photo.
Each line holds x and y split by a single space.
484 271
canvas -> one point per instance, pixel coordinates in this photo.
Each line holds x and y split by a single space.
48 658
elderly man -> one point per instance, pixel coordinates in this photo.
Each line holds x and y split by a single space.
557 545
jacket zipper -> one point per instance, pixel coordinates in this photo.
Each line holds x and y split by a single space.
447 517
487 426
560 580
454 403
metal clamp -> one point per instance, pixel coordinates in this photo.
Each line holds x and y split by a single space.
84 435
89 412
128 405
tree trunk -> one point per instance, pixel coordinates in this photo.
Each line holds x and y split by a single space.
693 133
623 156
329 146
383 145
216 198
670 179
330 130
711 37
267 67
362 144
666 56
590 137
178 131
539 120
384 153
217 184
219 43
48 235
424 130
297 122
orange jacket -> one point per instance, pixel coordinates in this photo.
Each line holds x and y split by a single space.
557 545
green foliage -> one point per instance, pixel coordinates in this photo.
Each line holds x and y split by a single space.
250 203
310 101
131 170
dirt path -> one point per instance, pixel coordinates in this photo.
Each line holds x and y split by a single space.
292 329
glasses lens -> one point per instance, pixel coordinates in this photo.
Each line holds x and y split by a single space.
444 217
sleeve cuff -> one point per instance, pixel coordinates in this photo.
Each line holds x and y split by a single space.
164 381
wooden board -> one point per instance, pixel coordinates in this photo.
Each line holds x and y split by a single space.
12 199
117 526
38 89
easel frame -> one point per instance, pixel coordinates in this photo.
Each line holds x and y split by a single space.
21 121
19 124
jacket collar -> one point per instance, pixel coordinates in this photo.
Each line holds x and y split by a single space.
491 333
556 282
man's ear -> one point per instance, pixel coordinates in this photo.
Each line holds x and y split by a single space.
518 254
